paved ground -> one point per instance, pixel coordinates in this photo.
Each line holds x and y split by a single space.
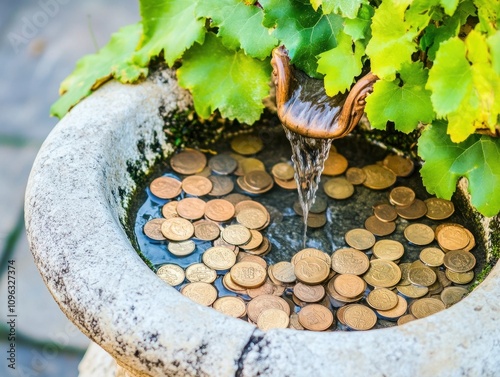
40 42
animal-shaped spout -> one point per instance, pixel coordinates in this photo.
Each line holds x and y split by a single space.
305 108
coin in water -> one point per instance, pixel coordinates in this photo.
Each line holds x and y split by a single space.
294 322
283 171
459 277
258 179
349 285
402 196
166 187
459 261
152 229
360 317
196 185
452 295
248 274
272 319
439 209
219 258
340 313
231 306
311 252
335 164
191 208
284 272
236 234
169 210
200 272
223 164
202 293
316 220
206 230
414 211
287 185
263 249
221 185
385 212
405 268
330 288
388 249
401 166
246 144
360 239
219 210
235 198
425 307
378 177
181 249
188 161
419 234
412 291
422 276
171 274
350 261
472 241
405 319
379 228
338 188
309 293
177 229
230 285
268 288
443 280
248 165
252 218
260 303
382 299
432 256
315 317
453 237
382 273
311 270
395 312
255 240
355 176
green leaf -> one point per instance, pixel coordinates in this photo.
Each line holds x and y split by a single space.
304 32
169 26
359 27
489 15
449 6
404 101
346 8
239 25
494 45
91 71
477 158
341 64
225 80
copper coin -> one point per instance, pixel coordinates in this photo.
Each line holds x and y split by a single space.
378 177
439 209
349 285
236 234
385 212
268 288
188 161
284 272
379 228
453 237
273 319
360 317
350 261
231 306
283 171
263 302
382 299
405 319
414 211
315 220
235 198
230 285
382 273
287 185
172 274
251 258
206 230
245 187
191 208
169 210
459 261
223 164
247 144
335 164
419 234
330 288
196 185
263 249
309 293
425 307
402 196
221 185
311 252
248 274
401 166
311 270
256 240
219 210
360 239
177 229
201 293
397 311
355 176
152 229
315 317
165 187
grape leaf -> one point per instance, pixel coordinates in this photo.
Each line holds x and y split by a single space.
489 15
477 158
304 32
239 25
494 45
403 101
91 71
449 6
359 27
346 8
341 64
163 22
229 81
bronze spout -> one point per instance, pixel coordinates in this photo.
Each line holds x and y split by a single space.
306 109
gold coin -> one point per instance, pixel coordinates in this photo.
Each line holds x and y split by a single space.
206 230
245 187
360 317
382 273
248 165
422 276
196 185
287 185
236 234
177 229
385 212
309 293
251 258
378 177
188 161
419 234
200 272
425 307
405 268
355 176
311 270
405 319
248 274
272 319
453 237
350 261
252 218
401 166
388 249
264 302
338 188
166 187
443 280
459 277
231 306
169 210
382 299
395 312
221 185
439 209
263 249
172 274
202 293
255 240
219 258
414 211
219 210
247 144
335 164
315 317
191 208
360 239
402 196
246 204
311 252
230 285
379 228
412 291
472 240
452 295
181 249
284 272
223 164
330 288
459 261
316 220
258 179
349 285
152 229
432 256
283 171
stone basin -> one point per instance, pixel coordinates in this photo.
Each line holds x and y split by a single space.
76 208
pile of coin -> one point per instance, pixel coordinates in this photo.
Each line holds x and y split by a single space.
349 288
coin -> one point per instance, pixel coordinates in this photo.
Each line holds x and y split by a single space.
432 256
338 188
206 230
439 209
382 273
245 187
251 258
262 250
316 220
172 274
379 228
230 285
395 312
419 234
425 307
405 319
166 187
311 252
284 272
181 249
309 293
219 210
400 165
248 274
355 176
459 261
315 317
268 288
188 161
382 299
283 171
360 239
422 276
196 185
236 234
287 185
256 240
388 249
169 210
330 288
260 303
223 164
360 317
152 229
235 198
414 211
444 281
177 229
231 306
349 285
219 258
405 268
378 177
200 272
472 241
452 295
350 261
248 165
294 322
335 164
452 237
201 293
246 145
221 185
252 218
272 319
412 291
385 212
311 270
191 208
459 277
258 179
402 196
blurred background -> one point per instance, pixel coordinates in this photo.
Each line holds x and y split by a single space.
41 40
